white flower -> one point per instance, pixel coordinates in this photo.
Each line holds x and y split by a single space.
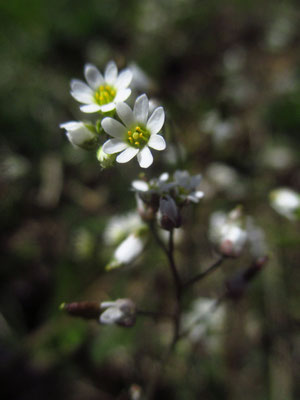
127 251
121 312
226 231
286 202
137 134
101 93
80 135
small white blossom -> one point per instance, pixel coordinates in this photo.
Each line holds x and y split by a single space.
286 202
80 134
102 92
137 134
227 232
127 251
121 312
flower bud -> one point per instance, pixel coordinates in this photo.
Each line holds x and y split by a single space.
81 135
169 216
106 160
121 312
237 285
83 309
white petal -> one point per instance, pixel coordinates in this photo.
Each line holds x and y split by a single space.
113 127
79 87
111 72
156 120
127 155
112 146
129 249
80 135
199 194
145 157
93 76
106 304
108 107
157 142
81 92
122 95
164 177
141 186
90 108
123 79
71 125
83 97
125 113
110 316
141 109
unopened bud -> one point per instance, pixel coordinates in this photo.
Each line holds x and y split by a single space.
121 312
146 211
105 160
83 309
81 135
169 216
237 285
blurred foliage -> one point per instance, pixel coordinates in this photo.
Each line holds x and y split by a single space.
239 59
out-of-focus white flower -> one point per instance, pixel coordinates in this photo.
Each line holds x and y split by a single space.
127 251
137 134
278 157
13 166
186 185
234 59
286 202
121 312
256 239
221 130
140 80
121 226
222 177
101 93
227 232
80 134
281 31
204 321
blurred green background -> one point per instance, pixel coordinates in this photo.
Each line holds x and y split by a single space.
228 76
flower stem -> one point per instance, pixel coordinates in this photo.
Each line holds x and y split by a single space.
203 274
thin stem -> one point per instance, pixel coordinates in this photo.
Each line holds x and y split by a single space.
203 274
169 251
173 267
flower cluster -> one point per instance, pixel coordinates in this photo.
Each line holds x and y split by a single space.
132 134
167 195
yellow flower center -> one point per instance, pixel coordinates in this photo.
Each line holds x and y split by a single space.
104 94
138 137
